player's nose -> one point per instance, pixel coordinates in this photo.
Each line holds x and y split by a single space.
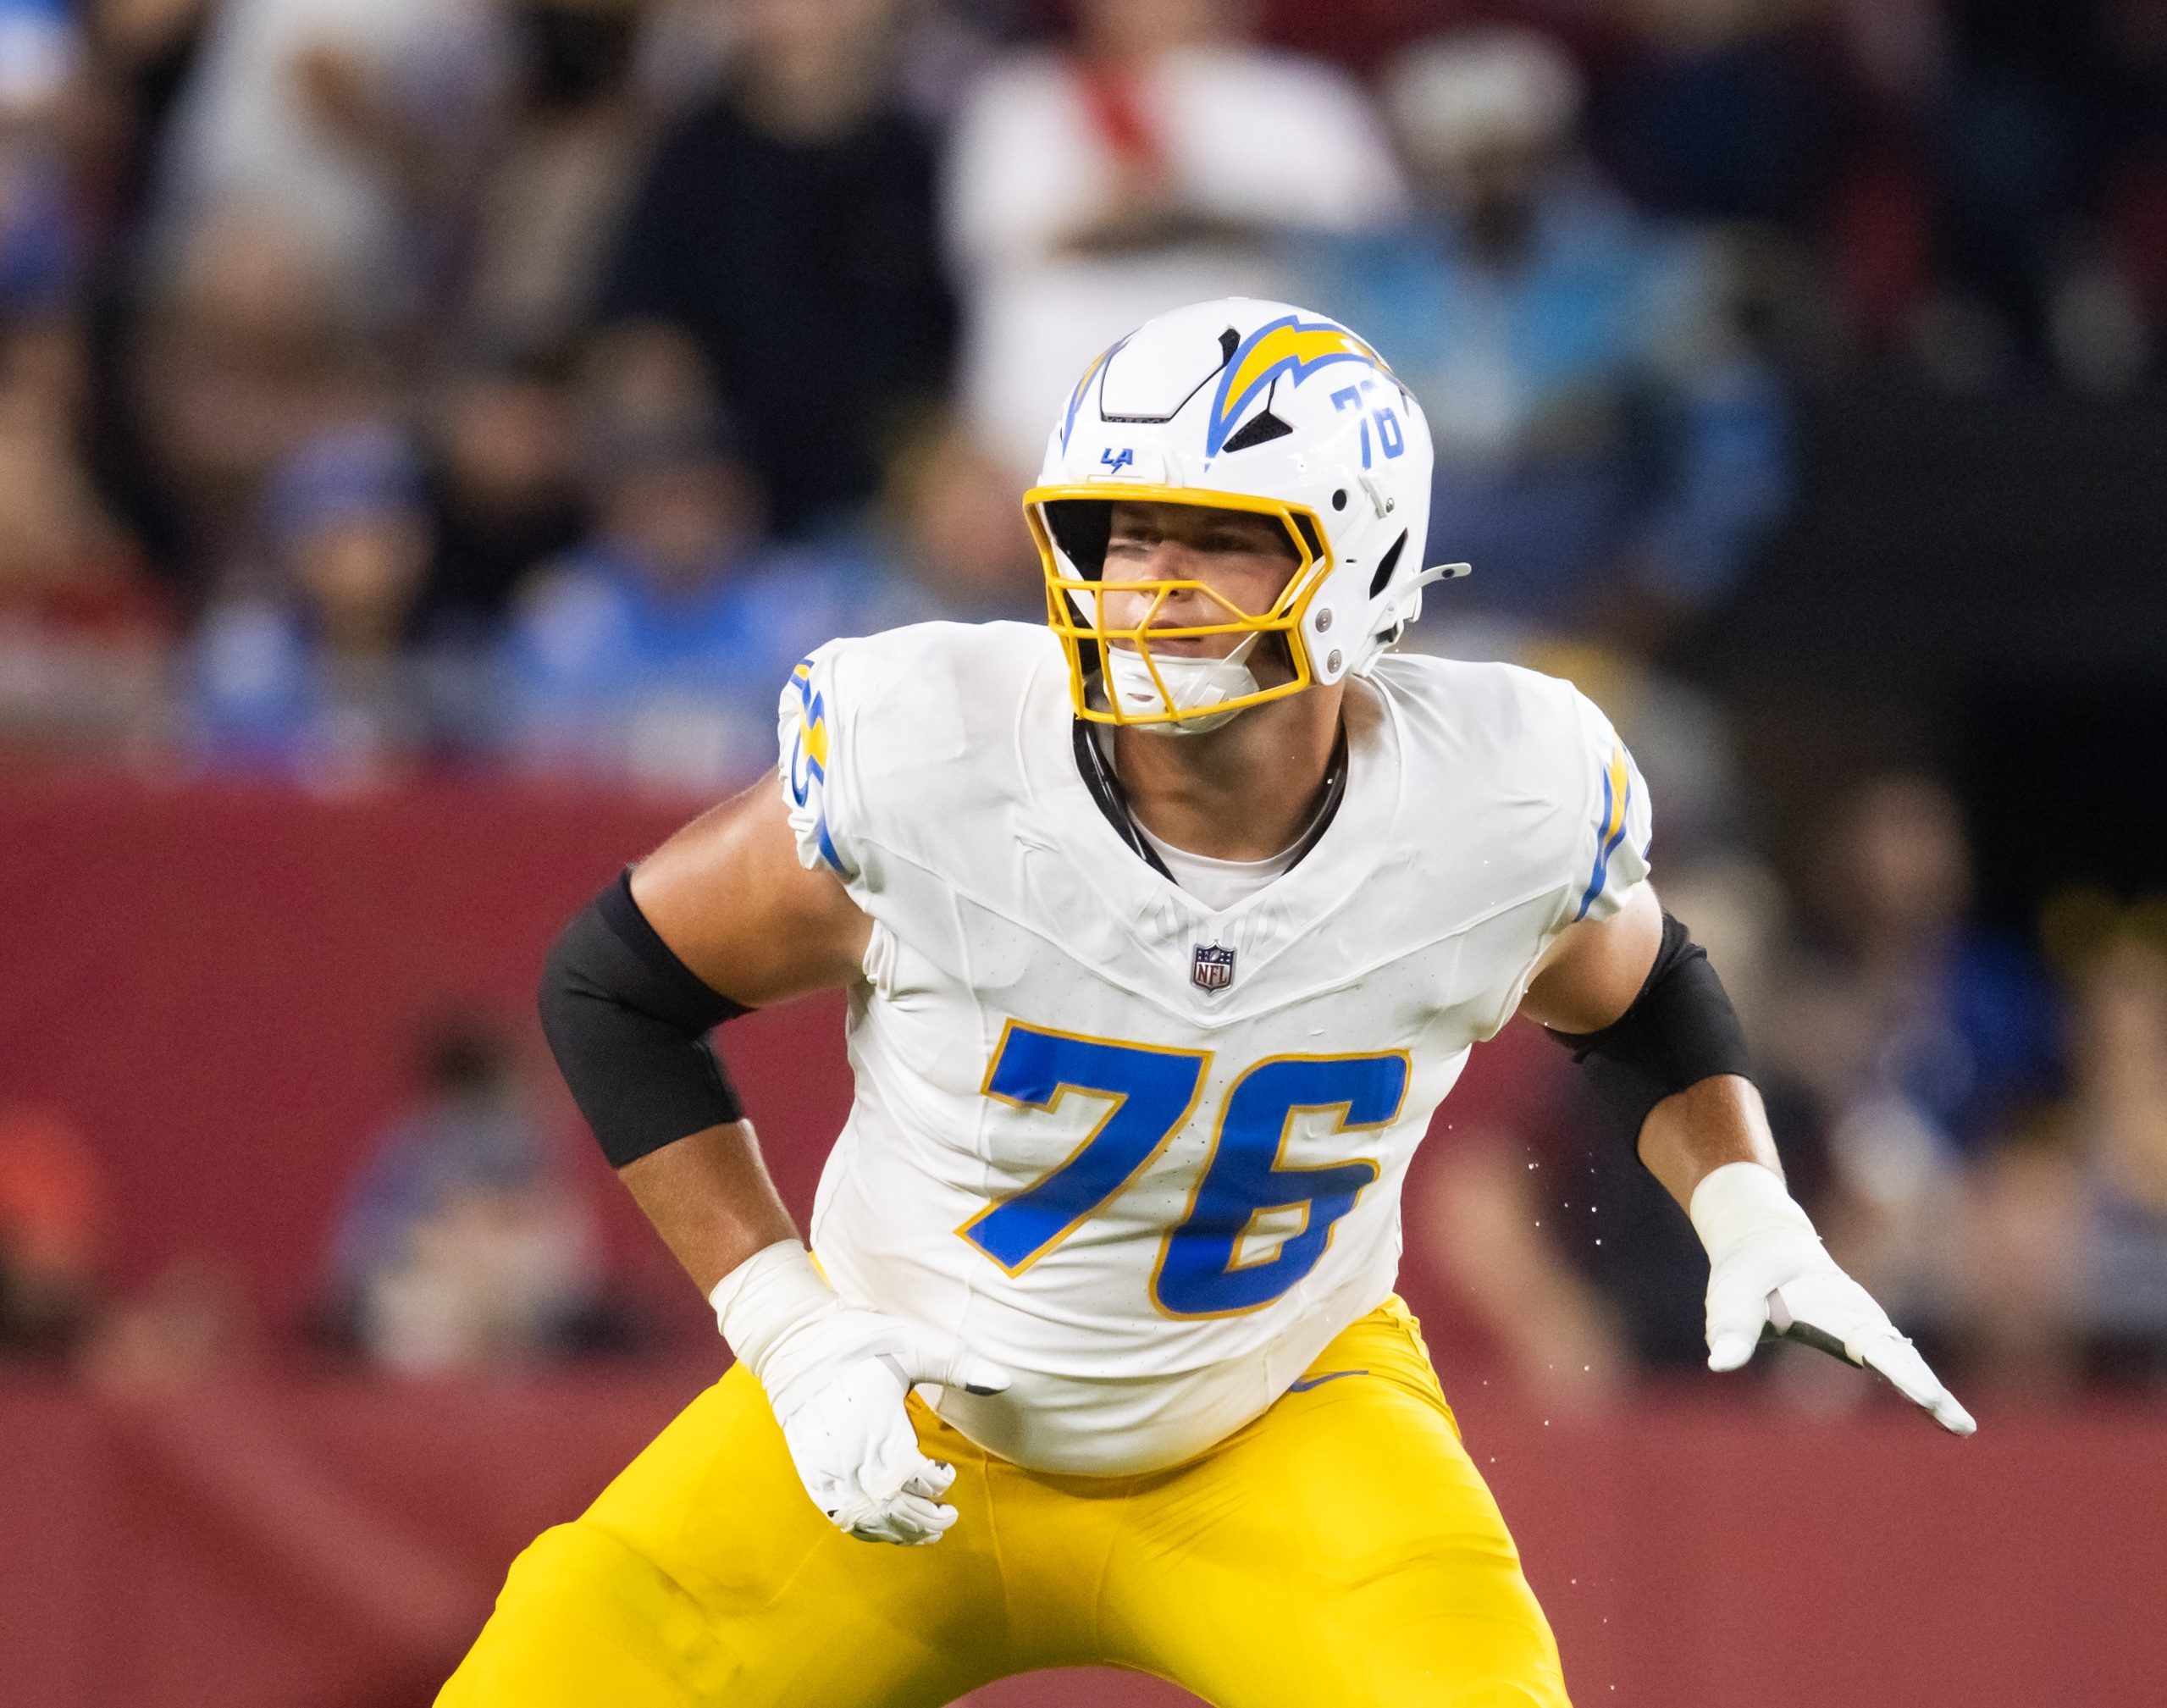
1186 599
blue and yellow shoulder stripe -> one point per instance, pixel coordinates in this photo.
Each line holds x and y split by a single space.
1610 828
809 754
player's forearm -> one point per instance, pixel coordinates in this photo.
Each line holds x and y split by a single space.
710 1197
1692 1133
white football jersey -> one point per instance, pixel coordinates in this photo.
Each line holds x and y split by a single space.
1146 1155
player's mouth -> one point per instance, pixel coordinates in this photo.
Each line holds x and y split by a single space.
1191 646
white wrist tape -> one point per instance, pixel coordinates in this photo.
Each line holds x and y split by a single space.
774 1290
1743 1202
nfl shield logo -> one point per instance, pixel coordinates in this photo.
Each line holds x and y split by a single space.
1213 968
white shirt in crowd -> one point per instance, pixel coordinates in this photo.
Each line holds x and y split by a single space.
1235 135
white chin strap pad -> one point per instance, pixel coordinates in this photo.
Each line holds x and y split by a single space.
1193 686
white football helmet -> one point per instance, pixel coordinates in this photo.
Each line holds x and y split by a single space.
1238 405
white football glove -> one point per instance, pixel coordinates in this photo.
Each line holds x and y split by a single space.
836 1377
1768 1271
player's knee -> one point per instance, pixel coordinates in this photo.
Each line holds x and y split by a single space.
583 1618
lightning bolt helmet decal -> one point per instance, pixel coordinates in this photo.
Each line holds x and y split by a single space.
1290 345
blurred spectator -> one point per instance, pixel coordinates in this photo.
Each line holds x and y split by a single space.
348 125
194 1322
39 239
787 229
1878 226
82 633
562 167
142 53
238 364
2117 1110
684 46
1158 161
503 488
948 537
1924 1035
52 1213
1896 47
2110 1138
2054 164
2057 1267
1608 451
38 51
307 673
2009 1264
461 1243
655 651
1730 110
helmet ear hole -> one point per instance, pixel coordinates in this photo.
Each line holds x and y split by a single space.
1339 499
1379 582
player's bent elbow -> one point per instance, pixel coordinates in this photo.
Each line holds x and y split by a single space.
628 1022
1679 1032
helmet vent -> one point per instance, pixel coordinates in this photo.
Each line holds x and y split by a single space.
1390 562
1228 342
1261 428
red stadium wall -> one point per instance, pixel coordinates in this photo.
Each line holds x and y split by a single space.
216 986
219 987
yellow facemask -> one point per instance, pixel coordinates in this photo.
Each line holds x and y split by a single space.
1076 604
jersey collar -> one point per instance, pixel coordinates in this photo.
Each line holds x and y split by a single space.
1090 853
1100 778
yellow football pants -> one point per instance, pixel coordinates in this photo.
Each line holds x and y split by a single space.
1341 1549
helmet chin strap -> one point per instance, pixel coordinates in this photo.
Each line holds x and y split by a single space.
1193 686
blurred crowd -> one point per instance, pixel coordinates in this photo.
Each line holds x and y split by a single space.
524 383
521 386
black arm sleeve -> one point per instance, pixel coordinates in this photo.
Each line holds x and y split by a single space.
628 1022
1680 1030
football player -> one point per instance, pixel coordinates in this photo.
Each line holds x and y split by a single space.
1165 928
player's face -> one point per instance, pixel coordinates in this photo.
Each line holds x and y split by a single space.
1244 558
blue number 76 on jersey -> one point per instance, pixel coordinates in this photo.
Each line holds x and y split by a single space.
1248 1193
